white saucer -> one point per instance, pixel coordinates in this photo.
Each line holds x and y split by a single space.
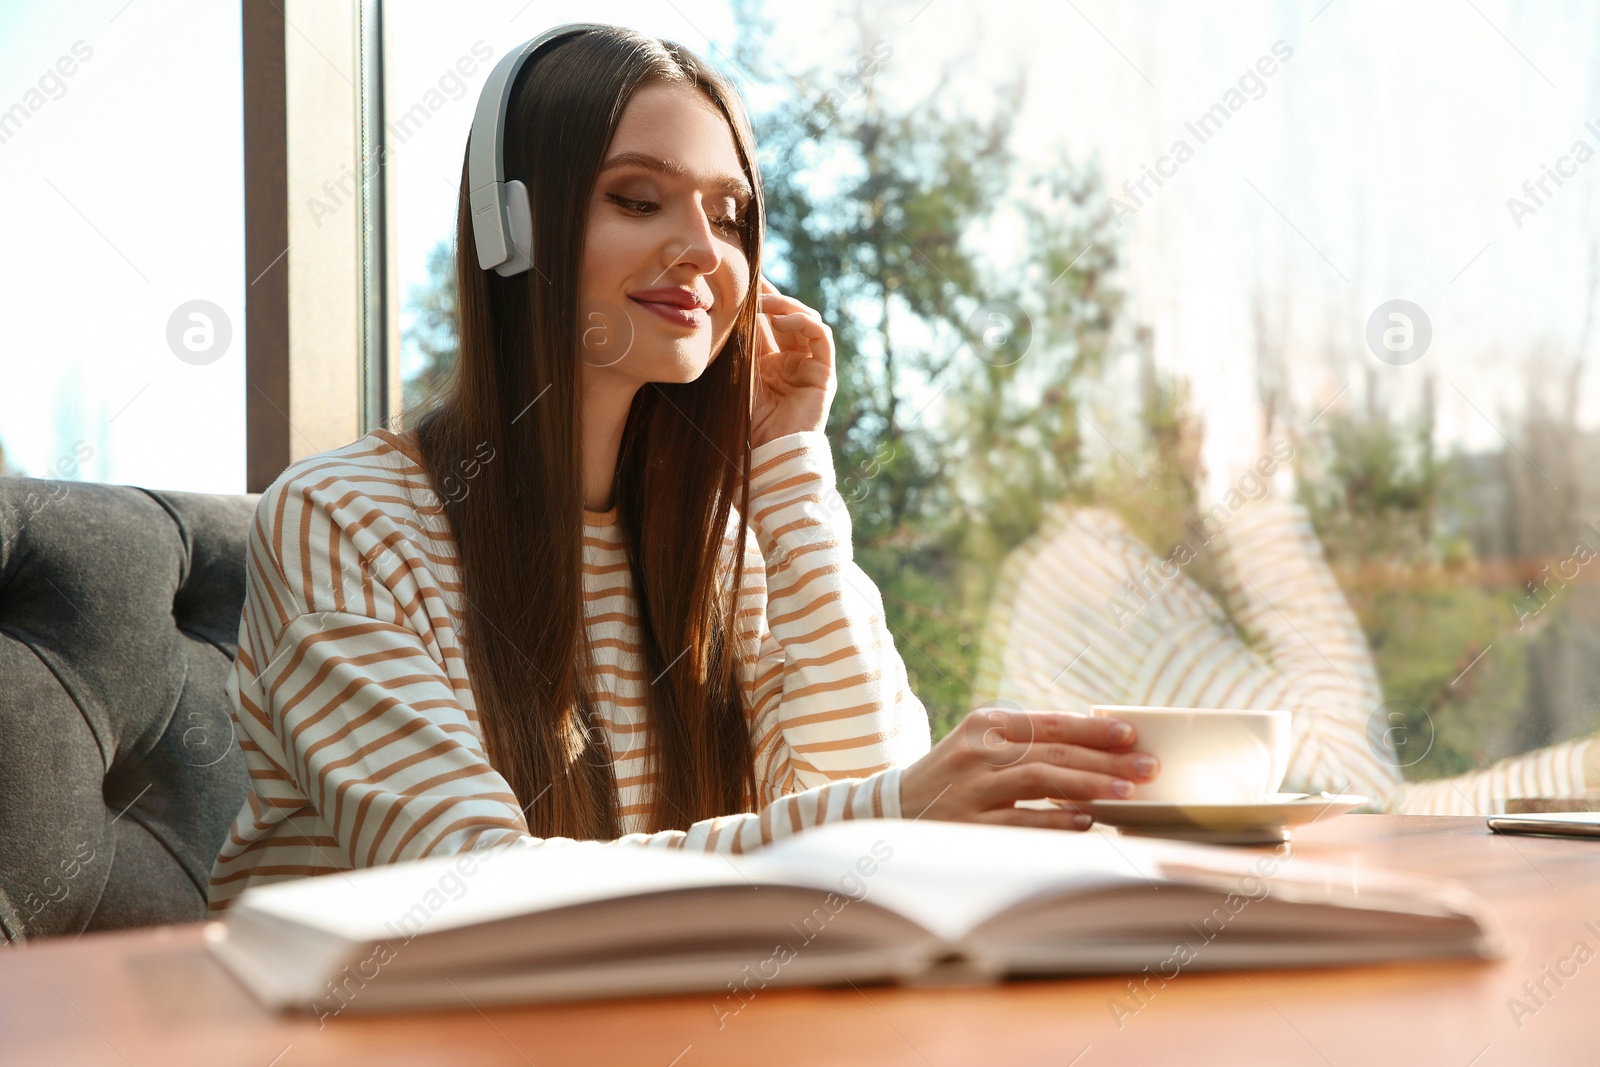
1265 822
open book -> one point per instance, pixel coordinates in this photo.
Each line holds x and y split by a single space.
864 900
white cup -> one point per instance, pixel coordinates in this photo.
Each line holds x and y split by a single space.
1208 755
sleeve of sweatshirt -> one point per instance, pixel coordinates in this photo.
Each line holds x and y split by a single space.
1283 593
828 690
1346 737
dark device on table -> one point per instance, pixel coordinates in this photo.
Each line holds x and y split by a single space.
1549 824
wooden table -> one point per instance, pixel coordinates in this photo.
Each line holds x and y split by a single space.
154 997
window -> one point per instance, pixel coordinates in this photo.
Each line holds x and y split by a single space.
1272 186
123 274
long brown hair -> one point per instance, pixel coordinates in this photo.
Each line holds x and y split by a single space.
518 525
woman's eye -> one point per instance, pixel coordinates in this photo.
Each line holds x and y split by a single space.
632 204
727 223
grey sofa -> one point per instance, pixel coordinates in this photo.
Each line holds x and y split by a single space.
119 769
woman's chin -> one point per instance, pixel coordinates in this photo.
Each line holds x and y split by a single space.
677 366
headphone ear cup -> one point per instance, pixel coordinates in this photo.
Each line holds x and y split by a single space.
519 230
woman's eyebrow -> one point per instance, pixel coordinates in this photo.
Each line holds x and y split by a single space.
727 183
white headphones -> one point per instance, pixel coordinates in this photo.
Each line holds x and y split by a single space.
502 223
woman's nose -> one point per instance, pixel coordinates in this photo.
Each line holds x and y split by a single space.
695 242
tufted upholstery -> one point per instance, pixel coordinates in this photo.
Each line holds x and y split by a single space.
119 771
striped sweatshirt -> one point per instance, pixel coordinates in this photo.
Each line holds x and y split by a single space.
1086 614
355 713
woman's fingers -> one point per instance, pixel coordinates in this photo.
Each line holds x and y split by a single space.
794 316
1027 727
998 756
1052 754
805 327
1031 780
798 322
785 314
775 303
1137 766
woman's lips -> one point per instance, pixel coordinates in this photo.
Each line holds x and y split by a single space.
689 317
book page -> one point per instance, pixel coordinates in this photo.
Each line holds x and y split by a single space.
949 877
447 892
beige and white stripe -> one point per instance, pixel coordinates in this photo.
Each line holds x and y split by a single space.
356 715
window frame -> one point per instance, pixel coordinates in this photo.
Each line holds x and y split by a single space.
321 332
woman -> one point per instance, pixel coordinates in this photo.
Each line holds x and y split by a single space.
599 592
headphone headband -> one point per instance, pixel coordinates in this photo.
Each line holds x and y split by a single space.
502 224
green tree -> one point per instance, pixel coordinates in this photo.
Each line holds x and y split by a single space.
958 420
433 327
963 380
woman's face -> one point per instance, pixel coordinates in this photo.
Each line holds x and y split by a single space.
664 269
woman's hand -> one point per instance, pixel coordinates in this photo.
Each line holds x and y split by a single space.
996 757
794 371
